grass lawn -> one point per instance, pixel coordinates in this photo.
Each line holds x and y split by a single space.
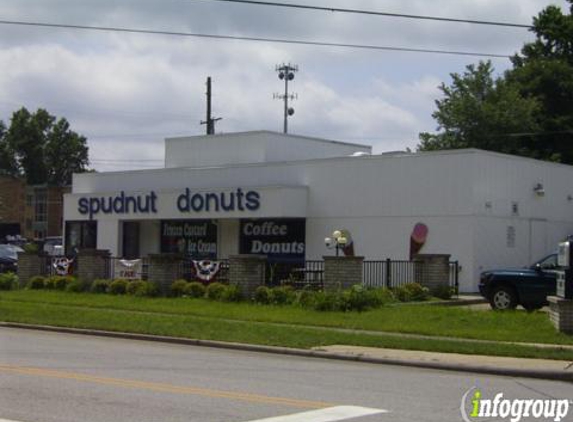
202 319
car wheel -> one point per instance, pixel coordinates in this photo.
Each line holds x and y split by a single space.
503 298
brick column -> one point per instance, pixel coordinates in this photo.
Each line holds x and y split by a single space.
561 313
92 264
247 272
342 272
31 265
432 271
163 270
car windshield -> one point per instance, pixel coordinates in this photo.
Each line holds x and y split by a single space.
10 251
548 262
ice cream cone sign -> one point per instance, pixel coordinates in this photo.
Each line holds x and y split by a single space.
418 239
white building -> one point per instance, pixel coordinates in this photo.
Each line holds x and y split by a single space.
264 192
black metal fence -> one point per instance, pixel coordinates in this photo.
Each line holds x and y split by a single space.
384 273
394 273
298 275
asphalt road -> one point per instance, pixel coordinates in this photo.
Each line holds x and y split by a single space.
49 377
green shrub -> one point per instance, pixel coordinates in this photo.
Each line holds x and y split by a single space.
58 282
76 286
195 289
359 298
384 295
178 288
328 301
262 295
305 298
100 285
444 292
8 281
215 291
283 295
411 292
141 288
31 248
232 293
36 283
118 287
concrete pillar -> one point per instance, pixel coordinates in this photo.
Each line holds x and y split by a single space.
342 272
31 265
247 272
432 271
561 313
93 264
163 270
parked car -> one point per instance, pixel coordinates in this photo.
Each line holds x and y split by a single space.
9 258
528 287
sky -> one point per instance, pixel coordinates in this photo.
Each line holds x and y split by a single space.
127 92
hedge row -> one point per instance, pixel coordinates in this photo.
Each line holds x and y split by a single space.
72 284
357 298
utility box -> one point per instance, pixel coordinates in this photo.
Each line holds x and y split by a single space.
565 274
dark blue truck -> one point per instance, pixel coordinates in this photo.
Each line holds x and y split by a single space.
528 287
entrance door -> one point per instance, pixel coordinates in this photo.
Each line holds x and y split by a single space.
131 239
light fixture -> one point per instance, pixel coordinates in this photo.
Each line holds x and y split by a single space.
539 189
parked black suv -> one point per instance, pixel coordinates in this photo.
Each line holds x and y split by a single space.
528 287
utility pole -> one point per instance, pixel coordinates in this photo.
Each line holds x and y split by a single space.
210 122
286 73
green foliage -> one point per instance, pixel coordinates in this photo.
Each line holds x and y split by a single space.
41 148
232 293
305 298
262 295
178 287
479 111
77 286
31 248
215 291
100 285
282 295
36 283
411 292
58 282
195 290
442 292
8 281
528 111
118 287
141 288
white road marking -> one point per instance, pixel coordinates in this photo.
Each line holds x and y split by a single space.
330 414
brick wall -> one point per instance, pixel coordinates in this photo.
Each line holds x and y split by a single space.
247 272
432 271
561 313
342 272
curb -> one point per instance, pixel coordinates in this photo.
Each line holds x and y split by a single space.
511 372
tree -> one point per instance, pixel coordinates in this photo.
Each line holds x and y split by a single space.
478 111
42 149
527 111
544 70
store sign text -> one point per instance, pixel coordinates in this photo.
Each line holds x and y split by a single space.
187 202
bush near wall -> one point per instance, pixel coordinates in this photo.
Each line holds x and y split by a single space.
8 281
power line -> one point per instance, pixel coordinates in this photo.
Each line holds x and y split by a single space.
370 12
257 39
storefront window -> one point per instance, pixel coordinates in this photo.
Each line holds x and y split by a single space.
80 235
196 239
